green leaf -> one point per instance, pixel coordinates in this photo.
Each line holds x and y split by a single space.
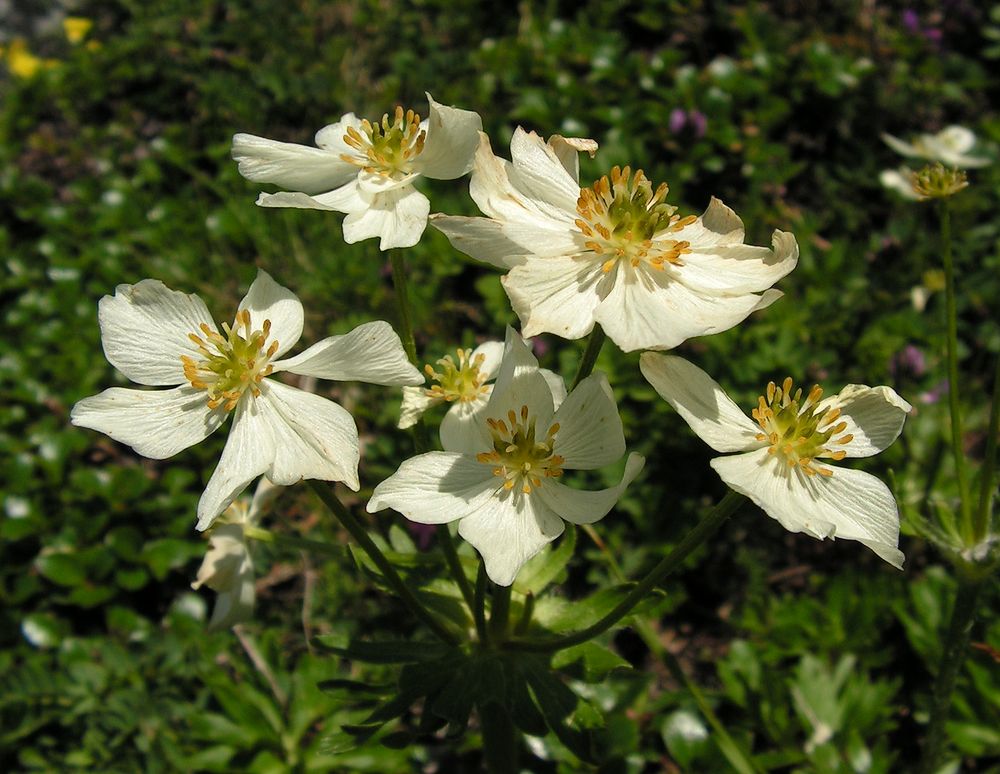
387 652
559 615
596 661
543 569
65 569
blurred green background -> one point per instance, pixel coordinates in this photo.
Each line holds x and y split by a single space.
114 139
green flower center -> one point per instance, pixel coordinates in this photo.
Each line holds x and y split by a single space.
389 148
796 431
623 218
518 457
463 382
230 364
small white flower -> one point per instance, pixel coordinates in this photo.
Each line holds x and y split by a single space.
785 450
161 337
901 181
464 385
950 146
614 254
502 484
366 170
228 567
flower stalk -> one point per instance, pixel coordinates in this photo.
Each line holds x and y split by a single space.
590 354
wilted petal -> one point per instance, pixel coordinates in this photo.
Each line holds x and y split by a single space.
156 423
267 300
301 168
874 416
585 507
568 150
590 430
145 329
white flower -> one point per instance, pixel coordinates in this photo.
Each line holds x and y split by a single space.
901 181
614 253
466 387
785 450
228 567
950 146
503 487
366 170
161 337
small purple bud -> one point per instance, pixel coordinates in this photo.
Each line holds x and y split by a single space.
699 122
677 120
911 20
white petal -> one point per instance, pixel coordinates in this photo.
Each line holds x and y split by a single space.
568 150
156 423
556 295
236 605
585 507
556 384
298 201
263 496
590 430
397 217
898 180
701 402
372 183
647 309
508 531
436 488
267 300
481 238
145 328
956 138
736 269
415 402
492 352
539 173
717 226
452 139
371 353
331 137
520 384
297 167
850 504
899 146
464 429
874 416
228 570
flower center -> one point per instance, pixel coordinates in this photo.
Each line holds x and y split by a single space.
388 147
231 364
625 219
518 457
462 382
796 431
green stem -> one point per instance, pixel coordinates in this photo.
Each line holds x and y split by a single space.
702 531
594 344
499 613
479 607
951 320
400 281
500 739
955 647
447 543
738 758
358 532
982 525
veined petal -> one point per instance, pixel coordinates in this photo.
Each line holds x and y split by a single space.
481 238
398 217
701 402
874 416
508 530
145 329
452 139
539 172
436 488
850 504
156 423
556 295
520 384
590 430
717 226
585 507
415 402
267 300
737 269
298 167
568 150
371 353
463 428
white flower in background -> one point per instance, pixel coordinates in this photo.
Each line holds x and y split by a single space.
614 254
502 485
464 385
366 169
228 568
901 181
161 337
950 146
783 467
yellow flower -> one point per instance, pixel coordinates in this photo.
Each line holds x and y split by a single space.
22 63
76 28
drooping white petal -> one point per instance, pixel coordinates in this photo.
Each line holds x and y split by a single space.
585 507
874 416
228 570
331 137
718 225
451 142
371 353
556 295
398 217
156 423
568 150
436 488
520 384
701 402
481 238
539 173
263 496
415 402
590 430
301 168
736 269
508 530
464 429
850 504
267 300
145 329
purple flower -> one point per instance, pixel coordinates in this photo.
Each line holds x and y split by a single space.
934 394
911 20
678 118
909 361
698 121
